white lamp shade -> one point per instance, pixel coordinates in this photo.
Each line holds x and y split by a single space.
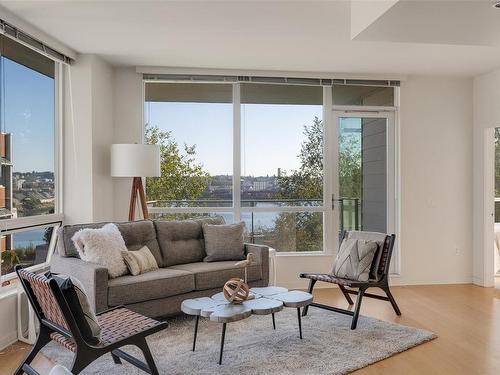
135 160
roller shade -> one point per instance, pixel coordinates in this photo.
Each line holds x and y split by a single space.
363 95
26 56
256 93
189 92
18 36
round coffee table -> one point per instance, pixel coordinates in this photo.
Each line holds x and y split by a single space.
265 301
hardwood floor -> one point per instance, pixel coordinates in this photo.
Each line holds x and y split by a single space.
466 319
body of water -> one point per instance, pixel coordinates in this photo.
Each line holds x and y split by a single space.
24 239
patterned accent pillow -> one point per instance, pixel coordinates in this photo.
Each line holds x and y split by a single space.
224 242
103 246
78 303
354 259
140 261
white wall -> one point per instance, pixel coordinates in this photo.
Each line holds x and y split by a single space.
88 134
8 319
102 137
486 116
77 186
436 180
128 127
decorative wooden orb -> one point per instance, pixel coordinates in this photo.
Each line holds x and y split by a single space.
236 290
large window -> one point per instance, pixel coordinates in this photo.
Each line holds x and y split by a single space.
282 165
28 178
263 154
193 123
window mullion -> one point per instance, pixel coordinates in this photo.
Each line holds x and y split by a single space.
236 152
329 166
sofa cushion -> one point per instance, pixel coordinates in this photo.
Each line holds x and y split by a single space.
223 242
135 234
103 246
182 242
152 285
140 261
215 274
65 245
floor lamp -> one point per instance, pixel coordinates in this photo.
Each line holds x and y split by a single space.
136 161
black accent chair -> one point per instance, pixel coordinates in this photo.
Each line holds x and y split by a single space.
119 327
379 277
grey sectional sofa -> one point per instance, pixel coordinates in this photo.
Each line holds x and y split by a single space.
178 247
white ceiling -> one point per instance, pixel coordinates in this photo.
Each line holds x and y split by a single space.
466 22
309 36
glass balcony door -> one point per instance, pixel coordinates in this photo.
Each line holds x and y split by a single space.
364 172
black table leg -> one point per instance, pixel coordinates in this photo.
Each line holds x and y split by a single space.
274 322
300 322
195 331
222 342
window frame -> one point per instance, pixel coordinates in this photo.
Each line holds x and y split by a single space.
329 165
55 220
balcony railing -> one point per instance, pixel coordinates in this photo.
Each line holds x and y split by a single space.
258 232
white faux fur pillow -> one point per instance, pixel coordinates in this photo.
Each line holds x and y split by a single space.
103 246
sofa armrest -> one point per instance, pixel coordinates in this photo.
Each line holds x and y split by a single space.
261 255
93 277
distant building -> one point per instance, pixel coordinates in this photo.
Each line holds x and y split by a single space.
259 185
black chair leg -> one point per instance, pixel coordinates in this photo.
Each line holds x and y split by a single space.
392 301
116 359
43 339
346 295
80 361
143 345
309 290
357 308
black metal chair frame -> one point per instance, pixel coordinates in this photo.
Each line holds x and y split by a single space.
359 287
85 353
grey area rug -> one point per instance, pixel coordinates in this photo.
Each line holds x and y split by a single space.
252 347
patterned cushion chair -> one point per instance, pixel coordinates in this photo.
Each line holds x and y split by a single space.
119 327
379 273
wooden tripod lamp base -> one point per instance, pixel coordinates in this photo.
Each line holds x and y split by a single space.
137 189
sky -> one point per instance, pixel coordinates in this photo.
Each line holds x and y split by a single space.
27 101
271 134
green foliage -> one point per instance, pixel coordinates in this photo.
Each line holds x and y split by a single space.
182 178
31 203
349 167
304 183
307 183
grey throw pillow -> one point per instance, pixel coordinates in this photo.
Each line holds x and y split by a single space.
354 259
223 242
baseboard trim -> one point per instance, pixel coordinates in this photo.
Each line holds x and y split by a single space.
392 284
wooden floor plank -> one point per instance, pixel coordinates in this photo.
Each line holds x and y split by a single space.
466 319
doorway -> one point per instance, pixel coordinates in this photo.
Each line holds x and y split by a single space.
364 193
